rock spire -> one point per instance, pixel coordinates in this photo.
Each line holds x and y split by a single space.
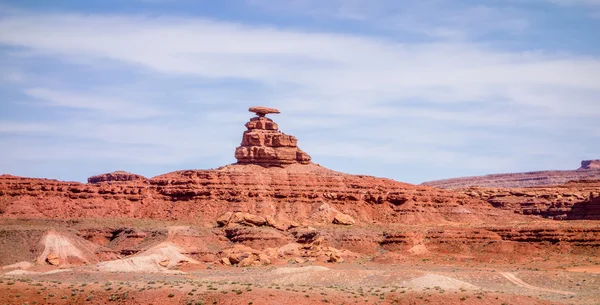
263 143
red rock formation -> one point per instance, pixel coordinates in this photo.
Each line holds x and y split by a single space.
590 170
297 192
590 164
264 144
261 111
118 176
589 209
574 200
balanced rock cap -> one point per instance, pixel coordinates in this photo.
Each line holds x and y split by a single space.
261 111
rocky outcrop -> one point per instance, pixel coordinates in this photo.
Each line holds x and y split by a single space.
118 176
588 209
257 238
343 219
590 170
590 164
572 201
246 219
265 145
53 259
295 193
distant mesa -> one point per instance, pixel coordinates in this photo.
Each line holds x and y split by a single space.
118 176
589 171
8 176
590 164
263 144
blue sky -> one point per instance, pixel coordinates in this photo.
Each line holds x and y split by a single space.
410 90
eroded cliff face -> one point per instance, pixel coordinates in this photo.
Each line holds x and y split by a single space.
589 170
571 201
310 194
304 193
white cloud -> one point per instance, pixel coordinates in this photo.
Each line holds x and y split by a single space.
578 2
438 19
592 5
329 62
13 77
111 106
11 127
402 102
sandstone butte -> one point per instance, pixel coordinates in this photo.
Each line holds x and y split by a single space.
272 177
275 205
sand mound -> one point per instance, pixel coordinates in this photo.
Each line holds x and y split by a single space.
60 249
461 210
150 263
444 282
418 250
156 259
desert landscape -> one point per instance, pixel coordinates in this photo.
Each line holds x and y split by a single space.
276 228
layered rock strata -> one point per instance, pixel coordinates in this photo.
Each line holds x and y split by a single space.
574 200
231 245
303 193
118 176
265 145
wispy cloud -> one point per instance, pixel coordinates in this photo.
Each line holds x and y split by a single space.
437 19
12 127
578 2
111 106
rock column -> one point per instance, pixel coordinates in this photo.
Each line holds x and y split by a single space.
263 143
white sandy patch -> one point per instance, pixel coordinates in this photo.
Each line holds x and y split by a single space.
444 282
19 265
57 271
25 272
167 254
61 246
461 210
418 250
290 270
20 272
517 281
